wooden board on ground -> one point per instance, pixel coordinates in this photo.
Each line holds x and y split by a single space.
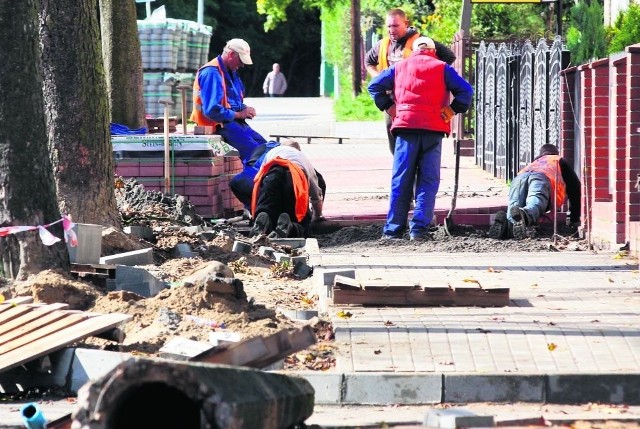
42 329
381 293
260 352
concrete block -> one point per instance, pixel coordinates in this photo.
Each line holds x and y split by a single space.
266 251
281 257
218 338
276 366
453 418
301 270
385 388
241 247
179 348
298 259
328 386
461 388
311 247
110 285
89 245
91 364
294 243
192 229
183 250
298 314
20 379
143 232
329 276
598 388
138 280
136 257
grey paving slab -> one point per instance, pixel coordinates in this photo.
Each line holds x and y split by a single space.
570 314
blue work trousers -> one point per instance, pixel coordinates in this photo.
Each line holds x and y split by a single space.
530 190
416 160
242 137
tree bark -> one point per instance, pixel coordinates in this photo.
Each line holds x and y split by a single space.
77 111
27 192
122 61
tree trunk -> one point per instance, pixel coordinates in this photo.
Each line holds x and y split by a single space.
27 192
77 112
122 61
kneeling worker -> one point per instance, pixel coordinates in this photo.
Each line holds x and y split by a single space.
284 186
532 193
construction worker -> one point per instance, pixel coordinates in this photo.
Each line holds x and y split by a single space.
415 93
395 47
284 186
218 95
532 193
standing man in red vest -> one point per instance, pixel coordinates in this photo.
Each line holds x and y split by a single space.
218 98
533 191
415 93
395 47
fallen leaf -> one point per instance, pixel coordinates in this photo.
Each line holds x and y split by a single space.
377 352
552 346
389 323
1 299
595 321
344 314
471 281
551 323
492 270
611 280
534 285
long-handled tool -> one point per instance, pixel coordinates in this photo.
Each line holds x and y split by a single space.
183 92
448 221
167 146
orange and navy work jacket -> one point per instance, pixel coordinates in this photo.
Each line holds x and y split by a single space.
383 53
300 186
197 115
549 165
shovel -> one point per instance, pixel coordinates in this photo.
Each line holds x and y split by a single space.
448 221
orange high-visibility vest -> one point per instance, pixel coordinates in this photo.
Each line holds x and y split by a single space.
383 61
549 165
300 186
197 115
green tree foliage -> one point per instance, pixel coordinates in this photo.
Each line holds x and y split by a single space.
443 23
626 30
508 21
586 35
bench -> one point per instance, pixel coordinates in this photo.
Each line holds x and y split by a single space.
282 136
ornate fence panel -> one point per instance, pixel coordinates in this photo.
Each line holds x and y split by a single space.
517 103
479 90
555 66
540 89
525 100
489 109
501 106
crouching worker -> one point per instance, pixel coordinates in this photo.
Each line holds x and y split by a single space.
283 188
532 194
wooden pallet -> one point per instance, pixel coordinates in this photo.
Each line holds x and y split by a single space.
384 293
30 331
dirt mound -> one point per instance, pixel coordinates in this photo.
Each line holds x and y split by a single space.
51 286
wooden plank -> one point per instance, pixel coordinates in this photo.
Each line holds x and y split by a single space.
498 297
10 303
477 297
393 285
33 325
61 338
12 313
19 337
296 340
238 353
35 313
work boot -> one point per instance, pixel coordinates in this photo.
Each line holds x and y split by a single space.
261 225
519 230
421 237
499 227
520 215
284 226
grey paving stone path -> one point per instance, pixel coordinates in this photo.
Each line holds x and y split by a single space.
570 313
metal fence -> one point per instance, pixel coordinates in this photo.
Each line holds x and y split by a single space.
517 103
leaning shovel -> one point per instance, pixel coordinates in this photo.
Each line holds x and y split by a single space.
448 221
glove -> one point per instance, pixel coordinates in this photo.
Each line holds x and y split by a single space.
316 205
447 113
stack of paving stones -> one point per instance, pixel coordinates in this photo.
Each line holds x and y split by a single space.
172 51
203 180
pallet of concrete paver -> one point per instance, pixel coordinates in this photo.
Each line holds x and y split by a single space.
403 293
